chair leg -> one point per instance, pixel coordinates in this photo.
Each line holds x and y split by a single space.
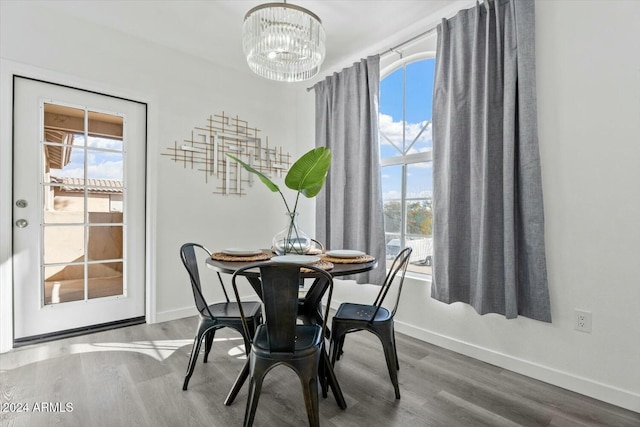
334 346
255 387
322 373
195 349
247 340
392 363
395 350
242 377
208 343
340 346
310 391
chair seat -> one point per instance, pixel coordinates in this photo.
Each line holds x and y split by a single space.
308 339
363 312
231 310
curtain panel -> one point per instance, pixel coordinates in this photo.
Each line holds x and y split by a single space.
349 211
488 210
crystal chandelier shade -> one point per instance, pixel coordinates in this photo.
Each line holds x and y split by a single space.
283 42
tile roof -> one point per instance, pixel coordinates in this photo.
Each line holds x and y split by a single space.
107 186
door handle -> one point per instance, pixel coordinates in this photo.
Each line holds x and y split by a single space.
22 223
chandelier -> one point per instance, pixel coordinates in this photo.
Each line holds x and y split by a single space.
283 42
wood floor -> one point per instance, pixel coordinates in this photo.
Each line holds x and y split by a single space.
133 377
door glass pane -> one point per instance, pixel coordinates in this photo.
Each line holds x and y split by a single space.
105 129
63 244
105 280
83 180
71 167
107 166
61 123
63 284
62 206
105 242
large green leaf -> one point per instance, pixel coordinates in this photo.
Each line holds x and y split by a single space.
309 172
272 186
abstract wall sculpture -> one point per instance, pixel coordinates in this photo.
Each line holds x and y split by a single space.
207 147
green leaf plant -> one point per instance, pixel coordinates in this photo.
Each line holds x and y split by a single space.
307 175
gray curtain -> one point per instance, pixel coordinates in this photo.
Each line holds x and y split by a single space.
488 213
349 209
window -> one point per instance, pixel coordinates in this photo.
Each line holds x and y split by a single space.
406 93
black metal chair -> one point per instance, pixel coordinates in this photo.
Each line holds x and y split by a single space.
373 318
281 340
215 316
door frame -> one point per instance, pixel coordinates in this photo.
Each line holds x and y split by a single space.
9 69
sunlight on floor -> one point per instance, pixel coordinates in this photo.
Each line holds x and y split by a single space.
157 349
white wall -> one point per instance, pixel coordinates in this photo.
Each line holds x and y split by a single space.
588 71
589 123
181 92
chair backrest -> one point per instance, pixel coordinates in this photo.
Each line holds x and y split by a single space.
190 261
317 244
398 270
280 286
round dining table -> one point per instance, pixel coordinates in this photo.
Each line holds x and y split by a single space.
338 269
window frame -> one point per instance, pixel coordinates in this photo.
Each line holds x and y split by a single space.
405 160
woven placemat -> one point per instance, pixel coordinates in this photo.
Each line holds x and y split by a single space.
324 265
357 260
221 256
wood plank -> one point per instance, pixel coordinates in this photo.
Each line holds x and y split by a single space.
133 376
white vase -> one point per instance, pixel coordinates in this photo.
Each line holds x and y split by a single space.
291 240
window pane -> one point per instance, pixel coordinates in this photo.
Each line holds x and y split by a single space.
63 284
392 198
105 280
420 181
62 206
391 95
61 123
405 131
104 143
64 161
105 127
391 111
391 137
63 244
105 242
419 104
103 165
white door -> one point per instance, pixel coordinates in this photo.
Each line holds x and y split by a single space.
78 208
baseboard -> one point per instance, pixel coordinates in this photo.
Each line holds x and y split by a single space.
606 393
180 313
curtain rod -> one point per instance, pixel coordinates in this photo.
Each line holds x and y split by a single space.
411 40
404 43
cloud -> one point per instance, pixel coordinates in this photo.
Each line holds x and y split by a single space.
391 134
99 168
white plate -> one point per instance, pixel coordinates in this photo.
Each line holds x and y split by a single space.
345 253
296 259
241 252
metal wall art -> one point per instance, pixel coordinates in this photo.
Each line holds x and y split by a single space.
205 151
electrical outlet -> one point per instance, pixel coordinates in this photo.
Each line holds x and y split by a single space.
582 321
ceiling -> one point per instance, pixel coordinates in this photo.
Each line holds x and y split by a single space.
212 29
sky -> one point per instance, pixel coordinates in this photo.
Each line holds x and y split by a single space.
419 93
104 159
